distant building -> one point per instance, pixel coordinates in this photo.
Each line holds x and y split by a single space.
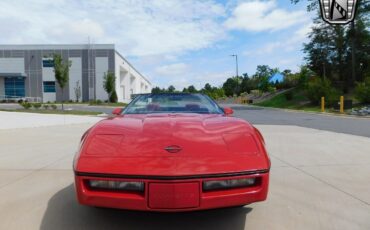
26 71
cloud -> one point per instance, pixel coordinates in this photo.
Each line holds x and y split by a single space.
137 27
172 69
259 16
77 29
195 78
215 78
286 44
170 41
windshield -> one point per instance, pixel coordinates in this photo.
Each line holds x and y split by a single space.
172 103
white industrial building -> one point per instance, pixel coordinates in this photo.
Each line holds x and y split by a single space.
26 71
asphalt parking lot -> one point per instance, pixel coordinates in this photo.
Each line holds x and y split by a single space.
319 180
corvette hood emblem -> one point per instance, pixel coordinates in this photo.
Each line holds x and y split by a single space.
173 149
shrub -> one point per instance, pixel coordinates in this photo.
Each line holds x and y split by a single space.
36 105
26 105
271 89
318 88
362 91
95 102
256 92
113 97
54 107
45 106
290 81
289 95
304 77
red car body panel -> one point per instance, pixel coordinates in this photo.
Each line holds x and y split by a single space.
133 148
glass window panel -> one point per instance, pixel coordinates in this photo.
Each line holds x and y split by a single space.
14 86
49 86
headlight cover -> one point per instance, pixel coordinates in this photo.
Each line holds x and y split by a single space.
117 185
227 184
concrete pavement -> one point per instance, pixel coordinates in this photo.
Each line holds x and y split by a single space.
319 180
335 123
268 116
11 120
77 107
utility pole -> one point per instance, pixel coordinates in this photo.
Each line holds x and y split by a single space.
236 64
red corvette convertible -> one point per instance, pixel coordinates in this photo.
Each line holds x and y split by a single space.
171 152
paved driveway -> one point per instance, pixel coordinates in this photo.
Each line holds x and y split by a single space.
12 120
268 116
336 123
319 180
78 107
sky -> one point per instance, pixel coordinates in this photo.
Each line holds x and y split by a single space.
171 42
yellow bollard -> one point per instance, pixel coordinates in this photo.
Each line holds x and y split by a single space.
341 104
322 104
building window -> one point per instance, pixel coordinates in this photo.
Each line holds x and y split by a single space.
48 63
14 86
49 86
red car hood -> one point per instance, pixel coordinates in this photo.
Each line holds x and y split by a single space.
135 145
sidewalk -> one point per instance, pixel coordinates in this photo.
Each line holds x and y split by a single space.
11 120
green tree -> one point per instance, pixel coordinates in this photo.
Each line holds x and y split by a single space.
248 83
109 84
340 53
326 50
263 75
362 91
359 39
317 88
219 92
213 92
286 72
232 86
171 89
113 97
304 75
61 72
208 87
157 90
192 89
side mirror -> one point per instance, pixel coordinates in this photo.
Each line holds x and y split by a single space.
228 111
117 111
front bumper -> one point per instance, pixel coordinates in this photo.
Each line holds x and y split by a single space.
172 194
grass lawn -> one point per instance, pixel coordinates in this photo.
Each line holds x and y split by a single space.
43 111
299 101
117 104
69 103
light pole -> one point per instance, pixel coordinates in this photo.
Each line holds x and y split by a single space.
236 64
